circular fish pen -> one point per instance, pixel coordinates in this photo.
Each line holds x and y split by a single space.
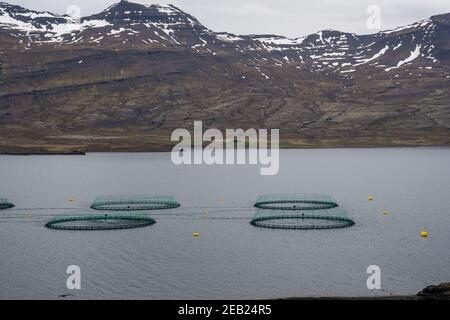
298 220
299 212
134 203
100 222
295 202
5 204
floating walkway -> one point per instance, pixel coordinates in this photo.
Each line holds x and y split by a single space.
100 222
298 220
295 202
134 203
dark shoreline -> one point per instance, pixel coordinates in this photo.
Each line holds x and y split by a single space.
43 153
390 298
83 153
439 292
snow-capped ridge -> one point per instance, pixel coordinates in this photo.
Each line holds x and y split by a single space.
410 27
127 25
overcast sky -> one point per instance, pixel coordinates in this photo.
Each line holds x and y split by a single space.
292 18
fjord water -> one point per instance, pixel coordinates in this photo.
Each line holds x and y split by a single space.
231 259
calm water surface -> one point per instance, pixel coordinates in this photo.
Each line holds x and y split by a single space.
231 259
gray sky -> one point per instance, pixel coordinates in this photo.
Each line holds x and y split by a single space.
292 18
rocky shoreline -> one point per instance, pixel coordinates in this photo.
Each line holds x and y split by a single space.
43 153
439 292
168 148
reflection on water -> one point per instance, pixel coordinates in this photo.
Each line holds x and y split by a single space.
230 258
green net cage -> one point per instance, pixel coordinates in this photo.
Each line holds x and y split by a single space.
295 202
100 222
302 220
134 203
5 204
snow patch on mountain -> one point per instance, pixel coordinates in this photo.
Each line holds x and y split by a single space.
228 37
374 57
51 30
414 55
277 40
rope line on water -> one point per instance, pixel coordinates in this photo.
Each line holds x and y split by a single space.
202 213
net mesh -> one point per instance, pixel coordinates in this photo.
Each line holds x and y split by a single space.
134 203
295 202
5 204
302 220
100 222
301 212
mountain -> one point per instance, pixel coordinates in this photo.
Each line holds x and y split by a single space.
124 78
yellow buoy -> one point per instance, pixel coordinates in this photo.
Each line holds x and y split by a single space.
370 198
424 234
196 234
71 200
386 213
